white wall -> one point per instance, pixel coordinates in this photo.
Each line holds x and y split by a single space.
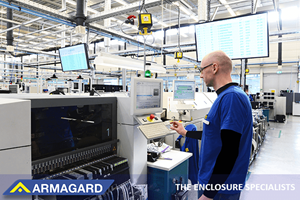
280 82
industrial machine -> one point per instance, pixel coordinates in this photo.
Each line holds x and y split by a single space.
75 138
138 122
259 131
185 104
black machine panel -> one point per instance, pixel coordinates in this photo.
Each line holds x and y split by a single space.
57 130
105 88
65 127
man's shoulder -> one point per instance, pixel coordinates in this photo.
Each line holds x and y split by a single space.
234 94
233 91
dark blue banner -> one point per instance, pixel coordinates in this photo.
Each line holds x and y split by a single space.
58 187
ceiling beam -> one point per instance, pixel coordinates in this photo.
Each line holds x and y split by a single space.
124 9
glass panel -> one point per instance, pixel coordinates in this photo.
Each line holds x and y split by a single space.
253 81
56 130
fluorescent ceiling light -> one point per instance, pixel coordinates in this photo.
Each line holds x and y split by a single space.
121 2
71 2
186 4
273 16
224 2
171 32
290 13
158 34
92 10
109 60
187 11
159 22
115 42
195 18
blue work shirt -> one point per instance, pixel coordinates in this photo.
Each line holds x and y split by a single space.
250 97
232 111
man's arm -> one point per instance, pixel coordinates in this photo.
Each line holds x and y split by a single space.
178 127
194 134
225 161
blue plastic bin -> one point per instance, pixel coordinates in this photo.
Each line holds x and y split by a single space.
266 113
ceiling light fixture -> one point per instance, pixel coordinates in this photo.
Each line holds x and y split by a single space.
109 60
224 2
188 12
121 2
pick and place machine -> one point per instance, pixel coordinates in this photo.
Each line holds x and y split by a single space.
72 137
138 122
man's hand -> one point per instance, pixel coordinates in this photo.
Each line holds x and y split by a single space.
204 198
178 127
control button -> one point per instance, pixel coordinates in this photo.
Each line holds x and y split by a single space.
152 116
155 118
145 120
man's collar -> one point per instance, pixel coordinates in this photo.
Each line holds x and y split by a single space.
221 89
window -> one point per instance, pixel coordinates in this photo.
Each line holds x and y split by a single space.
253 81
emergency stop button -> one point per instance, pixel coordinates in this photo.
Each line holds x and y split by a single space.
151 117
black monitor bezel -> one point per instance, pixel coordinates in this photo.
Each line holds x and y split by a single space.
86 55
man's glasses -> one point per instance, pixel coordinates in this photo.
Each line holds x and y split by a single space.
201 69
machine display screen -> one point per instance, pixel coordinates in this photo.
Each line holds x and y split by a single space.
184 90
56 130
148 95
74 58
240 37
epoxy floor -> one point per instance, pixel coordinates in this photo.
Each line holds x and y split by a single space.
279 153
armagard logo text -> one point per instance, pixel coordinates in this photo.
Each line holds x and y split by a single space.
58 187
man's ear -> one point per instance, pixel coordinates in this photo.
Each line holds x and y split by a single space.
216 68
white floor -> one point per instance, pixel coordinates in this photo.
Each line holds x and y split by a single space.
279 155
280 152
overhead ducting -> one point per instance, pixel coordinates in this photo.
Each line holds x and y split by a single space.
80 12
202 11
107 23
9 34
279 43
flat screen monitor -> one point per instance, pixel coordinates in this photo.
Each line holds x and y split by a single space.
183 90
146 94
74 58
240 37
76 86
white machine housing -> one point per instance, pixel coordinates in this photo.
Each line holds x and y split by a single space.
201 104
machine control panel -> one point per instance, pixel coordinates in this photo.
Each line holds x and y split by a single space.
147 119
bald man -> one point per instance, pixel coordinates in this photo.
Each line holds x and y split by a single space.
227 133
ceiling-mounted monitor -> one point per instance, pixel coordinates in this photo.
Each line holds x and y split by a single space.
74 58
239 37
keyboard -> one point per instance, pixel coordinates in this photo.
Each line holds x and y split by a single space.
155 130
